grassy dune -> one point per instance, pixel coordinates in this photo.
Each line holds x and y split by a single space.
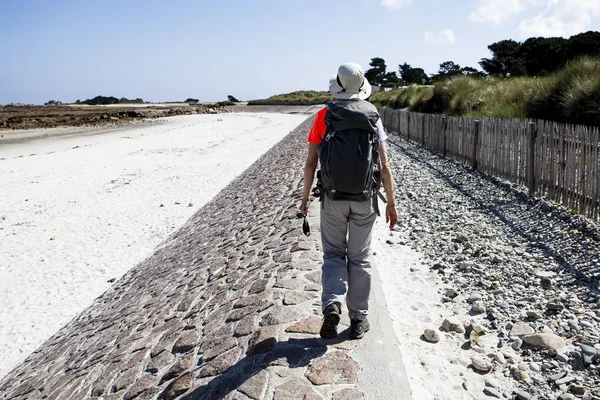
572 95
300 98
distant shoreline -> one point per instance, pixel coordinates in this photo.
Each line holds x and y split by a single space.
26 117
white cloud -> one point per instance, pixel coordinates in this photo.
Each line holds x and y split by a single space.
447 36
561 18
497 12
396 3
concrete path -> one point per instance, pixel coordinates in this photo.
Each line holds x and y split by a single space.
383 375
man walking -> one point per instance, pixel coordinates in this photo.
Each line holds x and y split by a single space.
347 138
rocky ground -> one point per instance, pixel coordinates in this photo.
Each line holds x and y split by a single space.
31 117
521 276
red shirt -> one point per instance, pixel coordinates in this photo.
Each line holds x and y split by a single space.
317 132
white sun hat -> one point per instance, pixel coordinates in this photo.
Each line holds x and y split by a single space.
350 83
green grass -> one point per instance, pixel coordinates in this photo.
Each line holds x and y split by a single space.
305 97
571 95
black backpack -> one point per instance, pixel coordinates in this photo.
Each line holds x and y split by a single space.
348 153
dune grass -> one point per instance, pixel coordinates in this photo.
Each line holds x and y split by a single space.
571 95
303 97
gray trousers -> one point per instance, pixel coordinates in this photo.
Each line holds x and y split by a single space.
346 228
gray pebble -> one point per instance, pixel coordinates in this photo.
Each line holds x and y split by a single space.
522 395
516 344
566 396
474 297
557 376
492 392
478 308
589 354
431 336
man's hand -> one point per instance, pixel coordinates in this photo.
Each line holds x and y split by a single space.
391 215
304 206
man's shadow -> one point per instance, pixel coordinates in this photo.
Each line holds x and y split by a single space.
292 353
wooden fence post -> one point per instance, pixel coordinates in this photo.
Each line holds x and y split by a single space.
531 136
583 175
475 145
444 130
423 130
408 126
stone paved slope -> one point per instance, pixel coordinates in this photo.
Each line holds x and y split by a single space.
227 307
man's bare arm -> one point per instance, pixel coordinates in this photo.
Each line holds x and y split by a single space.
387 180
312 160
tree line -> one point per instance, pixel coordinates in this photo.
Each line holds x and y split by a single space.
104 100
534 57
108 100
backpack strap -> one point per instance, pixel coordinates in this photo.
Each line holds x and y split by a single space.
375 202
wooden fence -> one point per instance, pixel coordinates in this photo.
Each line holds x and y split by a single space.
557 161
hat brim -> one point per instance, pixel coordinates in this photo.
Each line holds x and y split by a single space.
338 92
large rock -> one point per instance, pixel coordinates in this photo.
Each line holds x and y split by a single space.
333 369
126 379
181 366
281 315
178 386
520 329
481 364
295 389
251 300
162 360
548 341
240 313
263 340
220 364
255 387
245 326
187 341
214 352
216 337
453 324
589 354
296 297
431 336
310 324
259 286
144 385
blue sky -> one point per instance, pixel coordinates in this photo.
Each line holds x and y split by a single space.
172 50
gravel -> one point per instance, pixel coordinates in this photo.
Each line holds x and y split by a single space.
506 261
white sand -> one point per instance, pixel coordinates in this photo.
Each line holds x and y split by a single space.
77 211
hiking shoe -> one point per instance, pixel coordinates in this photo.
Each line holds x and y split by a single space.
358 328
331 319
